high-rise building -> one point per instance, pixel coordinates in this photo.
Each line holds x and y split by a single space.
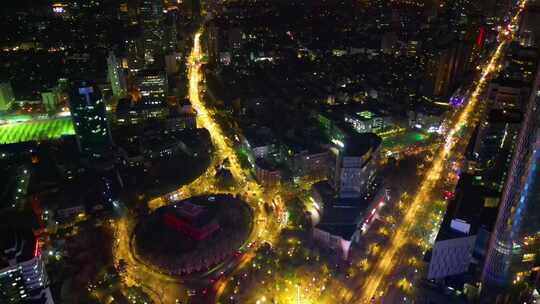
90 120
193 7
153 87
357 165
515 241
50 100
446 65
123 11
172 22
116 75
213 43
172 63
464 231
6 96
23 278
512 88
135 54
529 29
498 132
151 19
150 11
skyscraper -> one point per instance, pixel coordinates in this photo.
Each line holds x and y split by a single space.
193 7
153 87
529 28
172 63
213 43
515 240
450 62
496 133
151 19
116 75
90 120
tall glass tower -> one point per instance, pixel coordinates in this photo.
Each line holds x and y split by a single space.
90 120
515 240
151 19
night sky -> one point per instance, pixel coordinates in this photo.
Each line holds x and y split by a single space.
9 5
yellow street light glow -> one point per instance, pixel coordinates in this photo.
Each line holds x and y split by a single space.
381 271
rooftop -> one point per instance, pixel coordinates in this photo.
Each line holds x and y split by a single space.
364 111
340 215
468 211
359 144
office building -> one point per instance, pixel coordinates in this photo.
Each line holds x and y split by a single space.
23 278
357 164
498 132
173 17
529 30
193 7
315 162
267 173
151 18
172 63
514 244
463 237
213 43
6 96
116 75
135 55
513 86
260 141
339 221
152 87
448 61
90 120
150 103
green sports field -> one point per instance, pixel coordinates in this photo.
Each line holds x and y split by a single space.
407 138
35 130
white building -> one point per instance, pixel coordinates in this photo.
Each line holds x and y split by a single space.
22 274
357 165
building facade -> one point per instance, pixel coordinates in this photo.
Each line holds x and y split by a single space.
23 278
90 120
514 238
116 75
357 165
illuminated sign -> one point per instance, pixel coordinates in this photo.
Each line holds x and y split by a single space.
86 92
59 8
36 249
480 37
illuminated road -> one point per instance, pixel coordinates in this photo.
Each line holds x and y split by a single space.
265 229
375 284
160 287
167 289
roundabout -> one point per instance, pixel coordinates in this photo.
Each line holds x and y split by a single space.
193 236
